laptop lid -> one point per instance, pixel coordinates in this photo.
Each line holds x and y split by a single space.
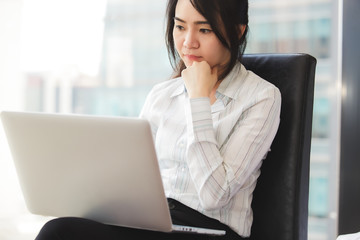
102 168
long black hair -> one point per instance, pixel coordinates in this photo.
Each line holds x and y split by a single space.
232 14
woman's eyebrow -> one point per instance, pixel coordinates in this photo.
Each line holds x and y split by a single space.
196 22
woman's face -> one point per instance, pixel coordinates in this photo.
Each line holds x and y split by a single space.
194 38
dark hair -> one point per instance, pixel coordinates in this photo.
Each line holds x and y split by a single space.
231 13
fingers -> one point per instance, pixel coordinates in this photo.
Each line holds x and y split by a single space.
200 79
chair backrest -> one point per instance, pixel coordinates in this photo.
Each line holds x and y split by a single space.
280 201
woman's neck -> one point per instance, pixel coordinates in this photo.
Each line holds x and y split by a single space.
213 92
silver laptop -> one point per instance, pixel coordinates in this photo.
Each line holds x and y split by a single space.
101 168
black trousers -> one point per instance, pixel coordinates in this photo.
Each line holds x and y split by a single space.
70 228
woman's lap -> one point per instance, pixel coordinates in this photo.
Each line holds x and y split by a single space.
79 228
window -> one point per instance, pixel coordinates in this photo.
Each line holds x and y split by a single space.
74 56
102 57
309 27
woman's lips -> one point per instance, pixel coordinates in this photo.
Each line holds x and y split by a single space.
192 57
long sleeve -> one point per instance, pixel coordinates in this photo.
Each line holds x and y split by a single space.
219 174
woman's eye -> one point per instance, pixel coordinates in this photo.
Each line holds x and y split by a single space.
179 27
204 30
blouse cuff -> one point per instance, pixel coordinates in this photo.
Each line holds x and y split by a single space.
200 121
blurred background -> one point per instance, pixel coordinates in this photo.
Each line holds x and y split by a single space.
102 57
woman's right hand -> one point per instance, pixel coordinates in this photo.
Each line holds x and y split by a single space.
200 79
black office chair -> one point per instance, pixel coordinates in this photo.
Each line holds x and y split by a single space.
280 201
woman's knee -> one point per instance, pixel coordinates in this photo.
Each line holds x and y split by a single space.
49 230
59 228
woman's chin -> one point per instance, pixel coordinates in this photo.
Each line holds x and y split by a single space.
188 63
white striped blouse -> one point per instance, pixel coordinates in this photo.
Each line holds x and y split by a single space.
210 155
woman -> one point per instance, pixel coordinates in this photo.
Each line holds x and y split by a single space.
213 124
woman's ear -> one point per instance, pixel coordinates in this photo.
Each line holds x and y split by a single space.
241 29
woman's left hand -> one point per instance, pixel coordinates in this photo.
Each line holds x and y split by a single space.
200 79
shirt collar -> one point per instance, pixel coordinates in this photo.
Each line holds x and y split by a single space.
180 89
230 85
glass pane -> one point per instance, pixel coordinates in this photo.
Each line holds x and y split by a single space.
128 58
308 27
74 56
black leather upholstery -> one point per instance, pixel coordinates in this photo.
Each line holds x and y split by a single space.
280 201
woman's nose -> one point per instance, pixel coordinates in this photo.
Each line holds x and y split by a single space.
191 40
